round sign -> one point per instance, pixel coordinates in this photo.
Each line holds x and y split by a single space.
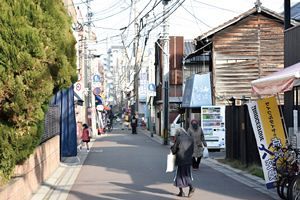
151 87
78 86
96 78
97 91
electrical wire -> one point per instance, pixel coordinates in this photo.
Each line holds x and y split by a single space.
196 17
115 5
141 13
213 6
166 16
161 14
99 27
112 15
74 4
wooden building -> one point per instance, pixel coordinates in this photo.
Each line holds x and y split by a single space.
243 49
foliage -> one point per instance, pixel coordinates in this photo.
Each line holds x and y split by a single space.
37 58
253 169
7 154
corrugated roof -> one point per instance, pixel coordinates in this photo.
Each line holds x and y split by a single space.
261 9
295 11
189 47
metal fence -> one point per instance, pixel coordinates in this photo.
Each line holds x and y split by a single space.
52 123
240 139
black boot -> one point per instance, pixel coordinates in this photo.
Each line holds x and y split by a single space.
191 191
181 193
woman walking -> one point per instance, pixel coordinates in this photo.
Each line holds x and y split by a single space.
199 143
183 149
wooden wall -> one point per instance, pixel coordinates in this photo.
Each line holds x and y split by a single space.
243 52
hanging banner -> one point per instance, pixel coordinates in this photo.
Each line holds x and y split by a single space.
269 133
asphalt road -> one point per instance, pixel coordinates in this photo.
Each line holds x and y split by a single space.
122 166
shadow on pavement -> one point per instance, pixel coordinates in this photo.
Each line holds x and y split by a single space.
125 166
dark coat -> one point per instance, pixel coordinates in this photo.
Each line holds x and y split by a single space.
183 148
133 122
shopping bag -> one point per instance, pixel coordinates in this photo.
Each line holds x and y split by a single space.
205 153
170 162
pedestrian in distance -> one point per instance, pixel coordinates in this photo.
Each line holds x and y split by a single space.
85 137
196 132
133 123
183 149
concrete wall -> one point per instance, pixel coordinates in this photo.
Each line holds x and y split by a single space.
39 166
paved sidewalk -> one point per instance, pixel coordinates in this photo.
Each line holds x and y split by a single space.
57 187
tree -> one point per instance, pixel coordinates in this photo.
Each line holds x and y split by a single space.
37 58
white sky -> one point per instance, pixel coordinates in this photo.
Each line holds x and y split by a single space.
190 20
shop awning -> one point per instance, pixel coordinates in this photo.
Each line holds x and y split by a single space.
278 82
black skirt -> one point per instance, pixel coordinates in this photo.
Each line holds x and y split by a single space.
183 176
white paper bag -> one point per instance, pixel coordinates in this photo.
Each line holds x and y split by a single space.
170 162
205 153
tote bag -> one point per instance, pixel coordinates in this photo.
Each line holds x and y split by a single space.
170 162
205 153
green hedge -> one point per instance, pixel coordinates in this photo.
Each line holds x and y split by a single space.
37 58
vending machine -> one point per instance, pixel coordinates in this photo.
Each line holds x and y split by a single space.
213 126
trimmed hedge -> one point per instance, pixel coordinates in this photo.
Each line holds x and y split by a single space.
37 58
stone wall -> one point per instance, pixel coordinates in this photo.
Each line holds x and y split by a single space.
36 169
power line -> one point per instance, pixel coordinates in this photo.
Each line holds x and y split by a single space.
213 6
141 13
194 14
154 20
196 17
168 14
109 9
100 27
99 19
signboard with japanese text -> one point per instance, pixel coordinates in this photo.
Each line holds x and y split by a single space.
151 80
269 133
143 85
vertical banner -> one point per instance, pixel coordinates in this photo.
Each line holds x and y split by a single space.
269 133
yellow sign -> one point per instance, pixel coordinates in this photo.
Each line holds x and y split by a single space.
269 134
270 117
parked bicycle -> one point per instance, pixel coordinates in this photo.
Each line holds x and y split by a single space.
286 162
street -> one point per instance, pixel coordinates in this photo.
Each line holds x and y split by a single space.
125 166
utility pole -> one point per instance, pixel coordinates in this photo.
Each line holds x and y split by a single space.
166 69
90 99
288 96
135 53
